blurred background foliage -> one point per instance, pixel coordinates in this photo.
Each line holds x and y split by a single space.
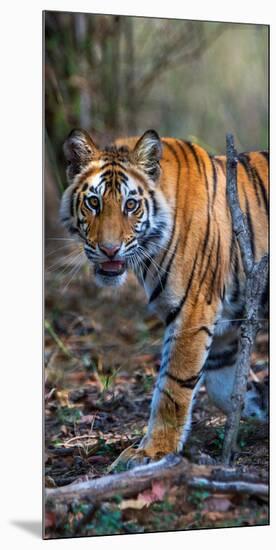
120 75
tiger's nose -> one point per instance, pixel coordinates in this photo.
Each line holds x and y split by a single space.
109 249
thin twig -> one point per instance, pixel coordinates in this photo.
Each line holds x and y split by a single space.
256 277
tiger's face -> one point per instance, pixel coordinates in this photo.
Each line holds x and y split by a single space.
113 204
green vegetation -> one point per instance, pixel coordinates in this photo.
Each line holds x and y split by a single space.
116 75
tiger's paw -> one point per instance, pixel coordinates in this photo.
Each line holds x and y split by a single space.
128 459
132 457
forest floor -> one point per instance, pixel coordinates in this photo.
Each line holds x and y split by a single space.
102 354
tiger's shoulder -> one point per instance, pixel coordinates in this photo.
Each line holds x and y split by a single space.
184 160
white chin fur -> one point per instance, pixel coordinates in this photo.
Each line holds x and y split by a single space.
103 281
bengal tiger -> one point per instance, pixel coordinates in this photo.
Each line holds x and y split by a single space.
158 207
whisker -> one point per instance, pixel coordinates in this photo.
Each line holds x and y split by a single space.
138 256
138 268
159 340
59 239
195 327
147 255
74 273
176 255
57 249
63 260
154 265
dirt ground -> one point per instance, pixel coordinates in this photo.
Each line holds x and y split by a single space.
102 354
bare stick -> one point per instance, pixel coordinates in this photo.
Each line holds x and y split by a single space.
172 468
238 219
242 487
256 278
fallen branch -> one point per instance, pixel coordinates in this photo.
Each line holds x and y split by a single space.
256 278
172 468
241 487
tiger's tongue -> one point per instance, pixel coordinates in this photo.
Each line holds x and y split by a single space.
116 265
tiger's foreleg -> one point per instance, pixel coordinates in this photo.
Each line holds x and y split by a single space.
186 345
187 341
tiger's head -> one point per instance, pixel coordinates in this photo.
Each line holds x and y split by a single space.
114 204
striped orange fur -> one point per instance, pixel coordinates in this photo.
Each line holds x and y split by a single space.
159 207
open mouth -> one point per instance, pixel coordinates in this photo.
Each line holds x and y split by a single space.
111 268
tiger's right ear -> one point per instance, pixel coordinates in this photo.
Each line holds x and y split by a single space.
147 154
79 149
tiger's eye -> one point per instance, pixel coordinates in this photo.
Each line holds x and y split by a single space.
130 204
94 201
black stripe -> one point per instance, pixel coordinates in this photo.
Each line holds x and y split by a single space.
170 397
169 340
83 211
123 176
207 232
146 223
184 245
265 295
165 358
113 163
72 206
265 154
225 359
205 329
220 163
232 350
219 364
245 162
194 153
129 243
147 207
215 178
162 282
187 383
187 235
78 199
263 190
73 230
154 202
206 267
209 295
181 145
106 175
222 295
175 311
139 214
235 296
146 264
169 146
171 239
155 233
65 219
225 354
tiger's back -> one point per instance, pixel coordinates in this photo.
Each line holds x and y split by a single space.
194 184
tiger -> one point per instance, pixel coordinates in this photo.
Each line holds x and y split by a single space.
158 207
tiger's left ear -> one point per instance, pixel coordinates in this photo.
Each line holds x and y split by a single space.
147 154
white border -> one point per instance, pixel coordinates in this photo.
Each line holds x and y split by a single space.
21 264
